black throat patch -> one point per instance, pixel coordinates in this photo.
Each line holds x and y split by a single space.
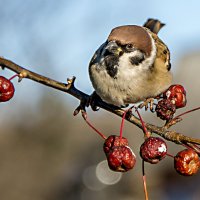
111 63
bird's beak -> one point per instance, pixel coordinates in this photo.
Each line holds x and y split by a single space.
119 51
113 48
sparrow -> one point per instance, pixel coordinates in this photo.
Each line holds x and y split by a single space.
132 65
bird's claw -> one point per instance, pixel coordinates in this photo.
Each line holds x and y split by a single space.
92 101
148 103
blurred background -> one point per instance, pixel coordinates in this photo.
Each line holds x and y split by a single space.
45 152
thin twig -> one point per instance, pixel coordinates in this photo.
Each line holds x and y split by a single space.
178 118
186 112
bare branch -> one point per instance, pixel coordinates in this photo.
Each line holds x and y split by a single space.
24 73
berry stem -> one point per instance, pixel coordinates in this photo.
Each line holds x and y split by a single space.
194 147
122 125
144 181
85 117
143 124
184 113
12 77
171 156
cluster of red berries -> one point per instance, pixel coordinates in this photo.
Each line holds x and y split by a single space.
173 98
7 89
121 158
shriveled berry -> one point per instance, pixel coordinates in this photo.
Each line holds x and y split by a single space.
177 95
121 158
153 150
165 109
113 141
186 162
6 89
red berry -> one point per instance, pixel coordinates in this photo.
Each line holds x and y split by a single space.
165 109
153 150
119 155
113 141
6 89
186 162
177 94
121 158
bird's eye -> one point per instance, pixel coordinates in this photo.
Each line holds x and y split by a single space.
129 47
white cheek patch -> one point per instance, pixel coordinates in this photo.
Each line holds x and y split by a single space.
124 60
125 68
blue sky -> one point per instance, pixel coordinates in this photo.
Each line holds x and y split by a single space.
58 38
